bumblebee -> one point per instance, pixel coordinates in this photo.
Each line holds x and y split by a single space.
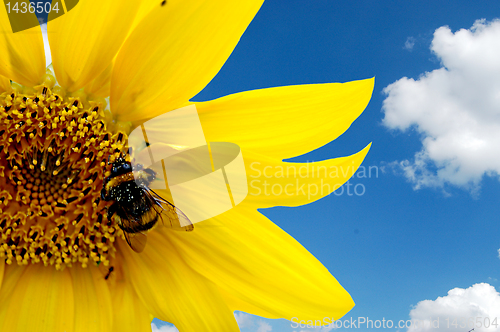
135 206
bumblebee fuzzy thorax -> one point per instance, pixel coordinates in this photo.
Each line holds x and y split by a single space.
121 172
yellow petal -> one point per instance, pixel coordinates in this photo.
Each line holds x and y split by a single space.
288 121
22 58
100 86
275 183
145 8
85 40
93 309
5 84
173 292
262 269
2 268
129 312
173 54
41 299
11 276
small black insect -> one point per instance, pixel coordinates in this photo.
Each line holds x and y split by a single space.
109 273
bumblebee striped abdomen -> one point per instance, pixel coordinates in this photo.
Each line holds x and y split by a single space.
134 207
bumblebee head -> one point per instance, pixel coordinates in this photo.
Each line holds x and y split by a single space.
120 166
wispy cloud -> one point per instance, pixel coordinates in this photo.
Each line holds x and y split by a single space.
409 43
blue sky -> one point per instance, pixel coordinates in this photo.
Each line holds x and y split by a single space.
395 245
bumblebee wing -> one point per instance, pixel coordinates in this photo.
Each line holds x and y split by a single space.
136 241
174 218
171 216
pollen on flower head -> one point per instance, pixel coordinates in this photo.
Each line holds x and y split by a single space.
53 156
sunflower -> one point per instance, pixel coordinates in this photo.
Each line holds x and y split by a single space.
64 266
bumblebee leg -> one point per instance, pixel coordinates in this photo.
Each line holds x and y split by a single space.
151 174
112 210
104 195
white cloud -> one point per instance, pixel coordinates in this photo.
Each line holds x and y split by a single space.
474 303
455 109
247 321
264 327
319 329
164 328
409 43
244 320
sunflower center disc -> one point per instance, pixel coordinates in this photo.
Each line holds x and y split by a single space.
53 156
